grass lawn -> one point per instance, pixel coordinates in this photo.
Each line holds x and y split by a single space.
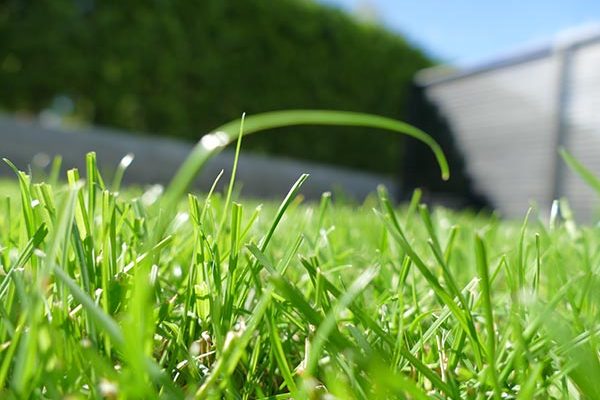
137 295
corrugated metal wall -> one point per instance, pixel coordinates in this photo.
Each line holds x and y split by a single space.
583 133
507 122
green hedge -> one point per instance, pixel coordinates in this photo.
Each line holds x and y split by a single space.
179 68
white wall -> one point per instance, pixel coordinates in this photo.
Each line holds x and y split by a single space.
506 122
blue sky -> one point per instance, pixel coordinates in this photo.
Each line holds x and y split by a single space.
465 31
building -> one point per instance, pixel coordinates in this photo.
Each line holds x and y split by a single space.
510 116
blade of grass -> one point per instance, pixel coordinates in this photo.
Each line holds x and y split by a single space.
214 142
326 327
584 173
482 268
235 346
233 174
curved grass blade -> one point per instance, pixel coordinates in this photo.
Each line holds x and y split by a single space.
212 143
120 172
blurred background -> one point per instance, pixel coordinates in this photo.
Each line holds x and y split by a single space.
500 85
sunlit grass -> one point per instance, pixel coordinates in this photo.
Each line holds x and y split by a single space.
114 295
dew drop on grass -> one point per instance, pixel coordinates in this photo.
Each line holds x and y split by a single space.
153 274
39 253
214 140
152 194
127 160
177 272
108 389
180 219
195 349
41 160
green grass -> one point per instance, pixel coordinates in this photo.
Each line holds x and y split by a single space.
120 295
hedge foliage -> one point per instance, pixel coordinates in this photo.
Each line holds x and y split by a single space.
180 68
